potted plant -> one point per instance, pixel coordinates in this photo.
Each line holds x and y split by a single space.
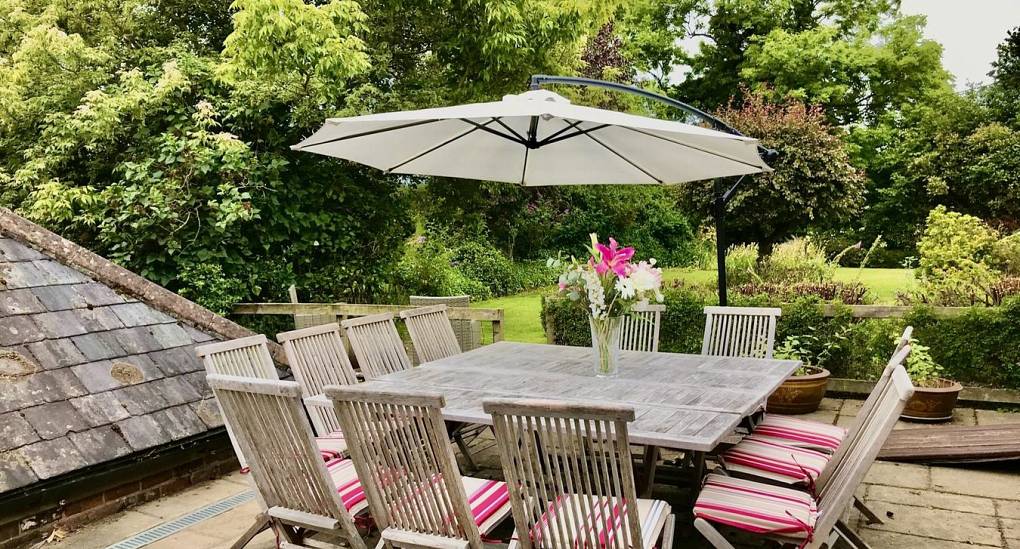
804 390
934 396
608 284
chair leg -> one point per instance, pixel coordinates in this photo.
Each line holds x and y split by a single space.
870 515
458 438
667 532
712 535
649 462
850 536
260 525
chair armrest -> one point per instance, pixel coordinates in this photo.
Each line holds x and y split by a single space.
318 401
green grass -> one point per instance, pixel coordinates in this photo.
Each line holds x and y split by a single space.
522 312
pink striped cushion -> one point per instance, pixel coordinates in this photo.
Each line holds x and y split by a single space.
800 432
779 462
652 515
345 477
489 501
756 507
332 446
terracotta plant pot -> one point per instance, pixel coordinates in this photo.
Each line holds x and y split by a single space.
800 394
933 403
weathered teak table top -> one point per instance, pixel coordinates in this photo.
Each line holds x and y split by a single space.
688 402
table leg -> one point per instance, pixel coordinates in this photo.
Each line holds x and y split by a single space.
697 472
648 464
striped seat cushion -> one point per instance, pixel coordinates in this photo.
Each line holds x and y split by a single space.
800 432
606 522
779 462
345 477
332 446
489 501
756 507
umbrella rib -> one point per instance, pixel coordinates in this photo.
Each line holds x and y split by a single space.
439 146
622 157
484 128
524 170
549 140
568 127
695 147
509 129
371 132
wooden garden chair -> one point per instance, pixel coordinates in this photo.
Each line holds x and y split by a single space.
417 495
794 517
740 331
431 332
640 329
380 351
568 467
376 344
301 491
318 358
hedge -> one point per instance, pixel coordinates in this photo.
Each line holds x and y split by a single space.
979 347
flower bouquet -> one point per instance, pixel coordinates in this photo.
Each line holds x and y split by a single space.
608 284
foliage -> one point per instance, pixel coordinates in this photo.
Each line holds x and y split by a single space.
849 293
954 254
814 184
981 346
1005 254
741 264
798 260
923 369
809 349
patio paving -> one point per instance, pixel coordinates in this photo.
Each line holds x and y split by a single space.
923 506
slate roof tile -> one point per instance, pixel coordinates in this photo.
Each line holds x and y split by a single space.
197 336
57 273
56 353
98 319
142 432
53 385
97 347
59 324
180 422
141 399
60 298
197 380
17 330
97 295
96 377
176 390
100 444
134 314
15 431
180 360
12 250
19 302
100 409
208 411
22 275
17 394
137 340
170 335
54 419
14 471
50 458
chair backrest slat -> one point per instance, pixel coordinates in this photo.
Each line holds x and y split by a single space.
850 470
399 445
569 472
377 345
318 358
271 427
740 331
640 330
431 332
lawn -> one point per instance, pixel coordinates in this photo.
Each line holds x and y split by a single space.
522 312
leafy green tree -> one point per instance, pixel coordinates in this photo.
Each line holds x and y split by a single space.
814 185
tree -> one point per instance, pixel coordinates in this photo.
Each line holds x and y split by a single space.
1003 95
814 185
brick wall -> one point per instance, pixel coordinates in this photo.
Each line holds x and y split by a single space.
82 499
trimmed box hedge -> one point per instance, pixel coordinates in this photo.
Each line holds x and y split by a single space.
979 347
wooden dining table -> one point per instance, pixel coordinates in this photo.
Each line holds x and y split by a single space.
681 401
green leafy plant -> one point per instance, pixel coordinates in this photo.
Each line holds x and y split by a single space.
921 367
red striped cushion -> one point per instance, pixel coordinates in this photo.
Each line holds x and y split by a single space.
800 432
332 446
345 477
608 523
756 507
779 462
489 501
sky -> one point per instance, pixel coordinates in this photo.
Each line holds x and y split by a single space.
968 30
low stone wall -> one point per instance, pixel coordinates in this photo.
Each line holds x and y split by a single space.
87 495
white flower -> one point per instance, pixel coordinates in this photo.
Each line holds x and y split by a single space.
645 280
596 294
626 287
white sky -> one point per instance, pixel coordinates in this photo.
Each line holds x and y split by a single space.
968 30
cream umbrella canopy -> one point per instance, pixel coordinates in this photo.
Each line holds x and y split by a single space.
533 139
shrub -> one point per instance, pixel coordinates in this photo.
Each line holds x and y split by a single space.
742 264
955 250
1005 255
798 260
849 293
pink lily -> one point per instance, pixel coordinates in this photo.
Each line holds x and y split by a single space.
613 258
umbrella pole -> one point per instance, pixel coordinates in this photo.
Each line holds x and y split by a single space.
720 238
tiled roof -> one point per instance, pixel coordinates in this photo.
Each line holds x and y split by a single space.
88 375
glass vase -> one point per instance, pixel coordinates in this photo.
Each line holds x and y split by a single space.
605 342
